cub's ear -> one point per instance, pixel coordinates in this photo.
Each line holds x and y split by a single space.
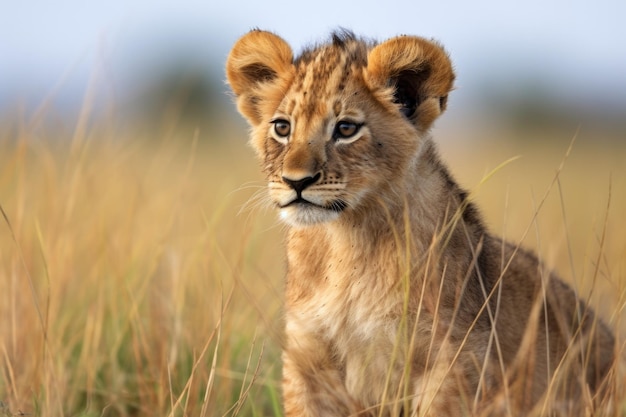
420 73
255 65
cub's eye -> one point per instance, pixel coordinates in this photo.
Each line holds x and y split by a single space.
282 127
345 130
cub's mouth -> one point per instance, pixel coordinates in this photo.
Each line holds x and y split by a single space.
336 205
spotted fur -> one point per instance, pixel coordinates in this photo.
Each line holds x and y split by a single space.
398 300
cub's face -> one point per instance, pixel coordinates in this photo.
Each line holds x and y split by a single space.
337 127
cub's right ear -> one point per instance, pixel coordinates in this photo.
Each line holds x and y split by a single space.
257 67
420 72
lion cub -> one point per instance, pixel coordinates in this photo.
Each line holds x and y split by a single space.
398 300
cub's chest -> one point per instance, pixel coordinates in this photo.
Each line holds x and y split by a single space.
348 301
355 313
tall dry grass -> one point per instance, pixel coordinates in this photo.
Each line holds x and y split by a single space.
132 283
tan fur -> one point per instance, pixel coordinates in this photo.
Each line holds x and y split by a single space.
398 301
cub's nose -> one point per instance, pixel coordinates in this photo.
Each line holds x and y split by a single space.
301 184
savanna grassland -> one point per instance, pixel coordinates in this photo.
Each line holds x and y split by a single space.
141 275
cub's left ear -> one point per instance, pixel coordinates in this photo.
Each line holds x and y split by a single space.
255 67
420 73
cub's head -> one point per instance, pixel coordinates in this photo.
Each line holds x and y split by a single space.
337 127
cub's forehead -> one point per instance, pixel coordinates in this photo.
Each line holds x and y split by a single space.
325 71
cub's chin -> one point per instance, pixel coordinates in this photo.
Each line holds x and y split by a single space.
307 214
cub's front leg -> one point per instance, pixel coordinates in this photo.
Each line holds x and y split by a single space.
313 384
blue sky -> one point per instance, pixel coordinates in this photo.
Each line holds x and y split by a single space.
576 47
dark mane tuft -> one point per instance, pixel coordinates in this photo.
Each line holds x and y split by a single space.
343 40
342 36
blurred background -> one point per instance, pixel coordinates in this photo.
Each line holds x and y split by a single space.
529 65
